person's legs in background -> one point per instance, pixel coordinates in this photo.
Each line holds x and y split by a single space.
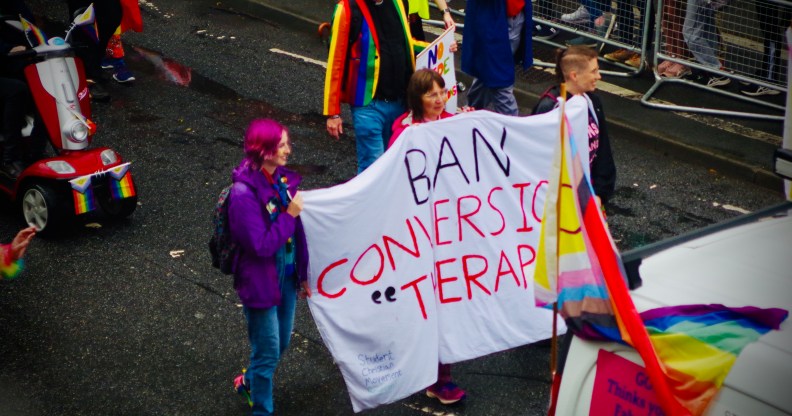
372 125
772 19
503 101
698 31
114 59
673 39
702 39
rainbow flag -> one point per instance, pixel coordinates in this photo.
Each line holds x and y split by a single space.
33 33
9 269
121 185
83 195
687 350
711 336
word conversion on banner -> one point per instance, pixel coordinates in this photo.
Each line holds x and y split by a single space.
439 58
428 255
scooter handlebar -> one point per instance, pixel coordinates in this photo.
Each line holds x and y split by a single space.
27 53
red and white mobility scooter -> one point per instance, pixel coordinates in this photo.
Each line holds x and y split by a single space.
52 192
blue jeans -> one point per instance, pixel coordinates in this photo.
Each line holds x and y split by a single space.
480 96
373 129
269 331
700 32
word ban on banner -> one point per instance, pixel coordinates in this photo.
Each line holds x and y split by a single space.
440 59
428 255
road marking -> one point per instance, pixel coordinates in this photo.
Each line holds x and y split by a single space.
304 58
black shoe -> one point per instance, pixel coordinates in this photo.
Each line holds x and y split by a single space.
544 32
98 92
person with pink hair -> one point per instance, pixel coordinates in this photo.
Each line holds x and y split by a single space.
271 262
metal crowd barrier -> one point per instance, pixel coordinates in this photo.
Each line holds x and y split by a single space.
622 24
749 39
749 35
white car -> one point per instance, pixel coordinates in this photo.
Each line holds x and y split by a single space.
744 262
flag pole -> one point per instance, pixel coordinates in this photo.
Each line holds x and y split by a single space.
554 343
554 377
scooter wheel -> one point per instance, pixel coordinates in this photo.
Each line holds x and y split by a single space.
118 209
42 209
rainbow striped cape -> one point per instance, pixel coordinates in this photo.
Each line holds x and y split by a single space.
687 350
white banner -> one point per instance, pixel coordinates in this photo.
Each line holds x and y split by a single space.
428 255
438 57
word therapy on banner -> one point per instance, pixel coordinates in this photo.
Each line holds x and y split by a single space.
428 255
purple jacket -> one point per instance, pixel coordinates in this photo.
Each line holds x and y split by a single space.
259 238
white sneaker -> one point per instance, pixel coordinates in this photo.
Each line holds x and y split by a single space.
579 15
758 90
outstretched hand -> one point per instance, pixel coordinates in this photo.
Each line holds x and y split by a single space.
21 242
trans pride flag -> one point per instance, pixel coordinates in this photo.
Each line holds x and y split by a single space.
121 185
87 21
83 194
687 350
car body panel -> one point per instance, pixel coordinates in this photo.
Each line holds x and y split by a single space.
747 265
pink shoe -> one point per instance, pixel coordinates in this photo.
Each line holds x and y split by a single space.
448 393
242 389
676 70
663 66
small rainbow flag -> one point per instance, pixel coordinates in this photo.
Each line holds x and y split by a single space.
9 269
87 22
121 185
698 344
83 194
33 32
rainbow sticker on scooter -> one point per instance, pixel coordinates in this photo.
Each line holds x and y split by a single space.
83 194
121 185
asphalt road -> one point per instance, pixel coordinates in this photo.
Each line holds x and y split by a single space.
114 319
